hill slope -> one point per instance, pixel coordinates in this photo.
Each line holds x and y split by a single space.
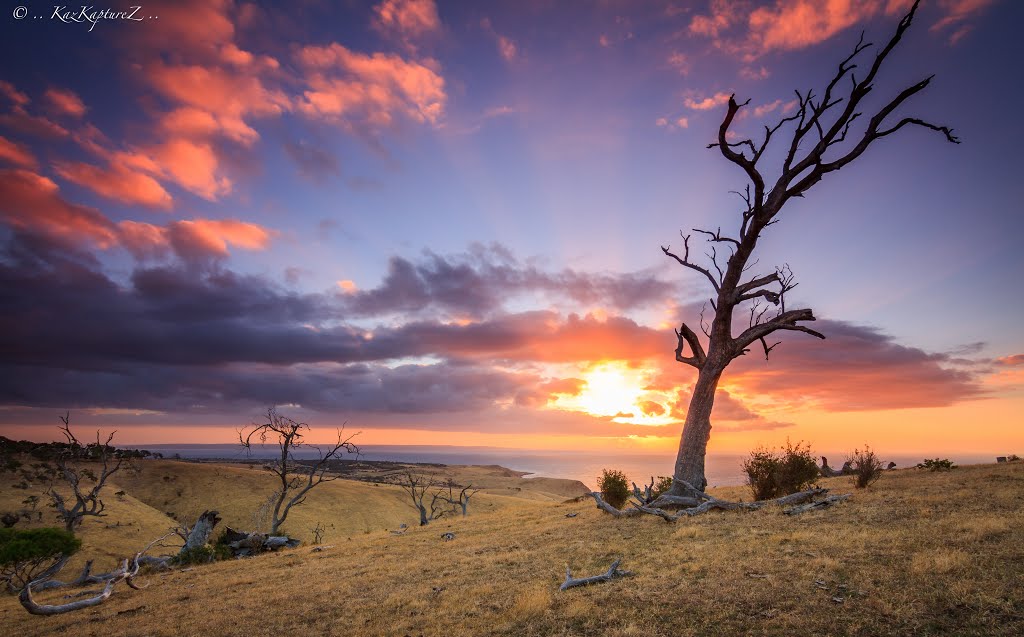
917 554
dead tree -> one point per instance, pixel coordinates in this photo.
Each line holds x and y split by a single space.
70 463
823 140
125 572
295 479
460 501
418 487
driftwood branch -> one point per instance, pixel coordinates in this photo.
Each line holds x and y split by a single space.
613 571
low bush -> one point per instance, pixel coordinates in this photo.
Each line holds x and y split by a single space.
663 484
936 464
866 467
25 554
614 487
774 473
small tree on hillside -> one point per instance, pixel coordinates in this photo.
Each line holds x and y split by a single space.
74 465
460 500
823 140
418 488
295 479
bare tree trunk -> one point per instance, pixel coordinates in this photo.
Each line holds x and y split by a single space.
200 534
696 432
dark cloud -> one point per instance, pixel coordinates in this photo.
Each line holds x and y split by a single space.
481 281
856 368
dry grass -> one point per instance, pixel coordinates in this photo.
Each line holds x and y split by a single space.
917 554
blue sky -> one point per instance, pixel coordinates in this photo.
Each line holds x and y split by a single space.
442 222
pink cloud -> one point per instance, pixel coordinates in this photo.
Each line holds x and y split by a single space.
507 48
34 125
957 13
409 20
13 95
751 73
736 27
201 237
795 24
723 14
708 102
228 97
771 107
64 102
196 28
194 166
679 62
117 182
17 154
34 203
351 87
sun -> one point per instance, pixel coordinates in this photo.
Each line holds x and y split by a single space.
616 391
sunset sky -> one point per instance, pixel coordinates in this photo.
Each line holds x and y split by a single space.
441 223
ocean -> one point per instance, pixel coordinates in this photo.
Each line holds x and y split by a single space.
585 466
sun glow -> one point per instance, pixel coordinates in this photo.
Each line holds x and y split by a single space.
616 391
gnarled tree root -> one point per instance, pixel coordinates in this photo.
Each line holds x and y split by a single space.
701 502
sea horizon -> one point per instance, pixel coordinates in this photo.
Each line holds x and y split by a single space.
722 469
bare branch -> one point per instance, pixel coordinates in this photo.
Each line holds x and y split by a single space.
686 336
613 571
685 260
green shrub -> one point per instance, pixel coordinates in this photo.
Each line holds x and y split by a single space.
866 467
25 554
774 473
614 487
663 484
195 555
937 464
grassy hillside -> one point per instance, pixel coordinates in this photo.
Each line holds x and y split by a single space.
162 490
917 554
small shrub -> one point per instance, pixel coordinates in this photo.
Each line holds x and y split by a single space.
614 487
663 484
866 467
196 555
775 473
1013 458
25 554
936 464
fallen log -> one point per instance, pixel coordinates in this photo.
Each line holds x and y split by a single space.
820 504
613 571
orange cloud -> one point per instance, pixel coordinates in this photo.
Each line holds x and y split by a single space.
32 202
17 154
116 182
201 237
348 86
194 166
226 97
64 102
795 24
